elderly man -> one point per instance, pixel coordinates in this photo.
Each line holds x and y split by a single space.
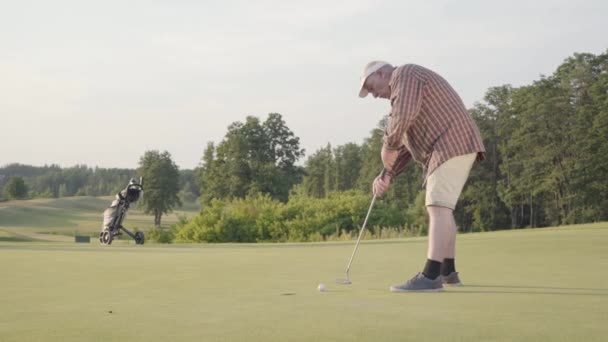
430 124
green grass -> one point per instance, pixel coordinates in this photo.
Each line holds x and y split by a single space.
60 219
524 285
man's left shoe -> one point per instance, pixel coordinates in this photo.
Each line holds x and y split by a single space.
451 279
419 283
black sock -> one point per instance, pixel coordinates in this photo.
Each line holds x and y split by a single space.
431 269
448 266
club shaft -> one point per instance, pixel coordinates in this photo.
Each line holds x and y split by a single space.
359 238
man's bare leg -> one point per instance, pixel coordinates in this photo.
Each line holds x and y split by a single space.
442 233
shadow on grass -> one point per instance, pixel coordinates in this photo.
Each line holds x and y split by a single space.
16 239
530 292
537 287
540 290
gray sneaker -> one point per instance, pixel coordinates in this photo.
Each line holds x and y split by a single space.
451 279
419 283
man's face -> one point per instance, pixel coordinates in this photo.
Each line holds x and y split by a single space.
377 85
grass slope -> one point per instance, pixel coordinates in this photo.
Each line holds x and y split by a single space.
524 285
60 219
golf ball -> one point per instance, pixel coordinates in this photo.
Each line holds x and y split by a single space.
322 287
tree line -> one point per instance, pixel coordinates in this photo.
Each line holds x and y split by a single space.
545 165
18 181
52 181
547 143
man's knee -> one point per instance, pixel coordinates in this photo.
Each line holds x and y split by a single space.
435 210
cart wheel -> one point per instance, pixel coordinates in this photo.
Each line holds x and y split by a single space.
139 238
105 237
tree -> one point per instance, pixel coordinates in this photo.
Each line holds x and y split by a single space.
584 78
161 184
480 207
348 164
15 188
371 163
253 157
189 191
210 180
320 171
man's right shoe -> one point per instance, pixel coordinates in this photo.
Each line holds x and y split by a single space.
419 283
451 279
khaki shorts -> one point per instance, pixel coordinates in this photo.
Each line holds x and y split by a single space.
444 185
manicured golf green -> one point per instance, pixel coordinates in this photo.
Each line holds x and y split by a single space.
525 285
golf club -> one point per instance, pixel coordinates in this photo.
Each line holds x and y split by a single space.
347 279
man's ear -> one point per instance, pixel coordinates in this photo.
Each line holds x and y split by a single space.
384 73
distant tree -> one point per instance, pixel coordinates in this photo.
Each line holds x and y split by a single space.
254 157
161 184
371 164
15 188
54 181
319 180
63 190
480 206
209 177
189 191
348 164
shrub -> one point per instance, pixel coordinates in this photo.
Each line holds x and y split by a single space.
257 217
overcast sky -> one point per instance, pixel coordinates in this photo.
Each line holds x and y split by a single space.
101 82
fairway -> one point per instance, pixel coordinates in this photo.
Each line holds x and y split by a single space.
525 285
59 219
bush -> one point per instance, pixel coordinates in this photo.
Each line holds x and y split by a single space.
258 218
418 216
15 188
254 218
159 235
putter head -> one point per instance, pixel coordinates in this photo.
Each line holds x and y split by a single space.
344 281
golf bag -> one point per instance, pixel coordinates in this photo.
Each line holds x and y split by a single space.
116 213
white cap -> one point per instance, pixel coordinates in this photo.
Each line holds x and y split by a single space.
369 69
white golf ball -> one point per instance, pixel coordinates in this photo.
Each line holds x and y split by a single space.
322 288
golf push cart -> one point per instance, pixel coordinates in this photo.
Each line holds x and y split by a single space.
116 213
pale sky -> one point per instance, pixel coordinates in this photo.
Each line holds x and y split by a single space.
101 82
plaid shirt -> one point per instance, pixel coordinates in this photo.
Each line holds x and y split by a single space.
428 121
